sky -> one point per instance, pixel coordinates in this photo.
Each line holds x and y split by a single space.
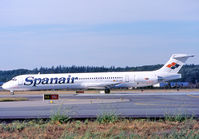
96 32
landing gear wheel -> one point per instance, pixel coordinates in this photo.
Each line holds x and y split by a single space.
107 91
12 93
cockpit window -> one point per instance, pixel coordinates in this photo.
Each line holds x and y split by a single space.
14 79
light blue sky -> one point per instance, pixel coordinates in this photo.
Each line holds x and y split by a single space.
96 32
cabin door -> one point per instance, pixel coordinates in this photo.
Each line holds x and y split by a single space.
126 78
20 81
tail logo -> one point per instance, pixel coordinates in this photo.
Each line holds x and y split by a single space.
173 65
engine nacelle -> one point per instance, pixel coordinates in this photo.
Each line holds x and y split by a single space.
145 80
168 77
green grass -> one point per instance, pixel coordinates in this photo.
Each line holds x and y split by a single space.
107 118
18 126
177 118
58 117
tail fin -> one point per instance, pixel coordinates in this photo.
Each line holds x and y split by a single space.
175 63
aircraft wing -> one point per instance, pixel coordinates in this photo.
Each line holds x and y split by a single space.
100 85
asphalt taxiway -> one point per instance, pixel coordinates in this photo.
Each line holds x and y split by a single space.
135 105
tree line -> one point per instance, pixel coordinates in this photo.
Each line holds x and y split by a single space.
190 73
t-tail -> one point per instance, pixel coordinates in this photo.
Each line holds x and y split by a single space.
170 70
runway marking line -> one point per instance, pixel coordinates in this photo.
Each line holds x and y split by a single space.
144 104
193 96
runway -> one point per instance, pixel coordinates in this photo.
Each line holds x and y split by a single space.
135 105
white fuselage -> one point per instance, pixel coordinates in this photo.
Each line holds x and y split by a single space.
81 81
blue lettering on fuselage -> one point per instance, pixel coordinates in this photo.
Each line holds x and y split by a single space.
29 81
54 80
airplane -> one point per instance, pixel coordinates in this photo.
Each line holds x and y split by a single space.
101 81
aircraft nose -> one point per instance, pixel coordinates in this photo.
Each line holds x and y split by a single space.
5 86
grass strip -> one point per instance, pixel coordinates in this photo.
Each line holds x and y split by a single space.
12 99
86 129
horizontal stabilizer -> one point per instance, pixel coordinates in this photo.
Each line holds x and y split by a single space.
175 63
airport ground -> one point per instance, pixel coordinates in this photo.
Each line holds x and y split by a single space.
125 103
97 91
148 114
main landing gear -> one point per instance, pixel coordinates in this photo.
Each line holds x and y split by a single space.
12 93
107 91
